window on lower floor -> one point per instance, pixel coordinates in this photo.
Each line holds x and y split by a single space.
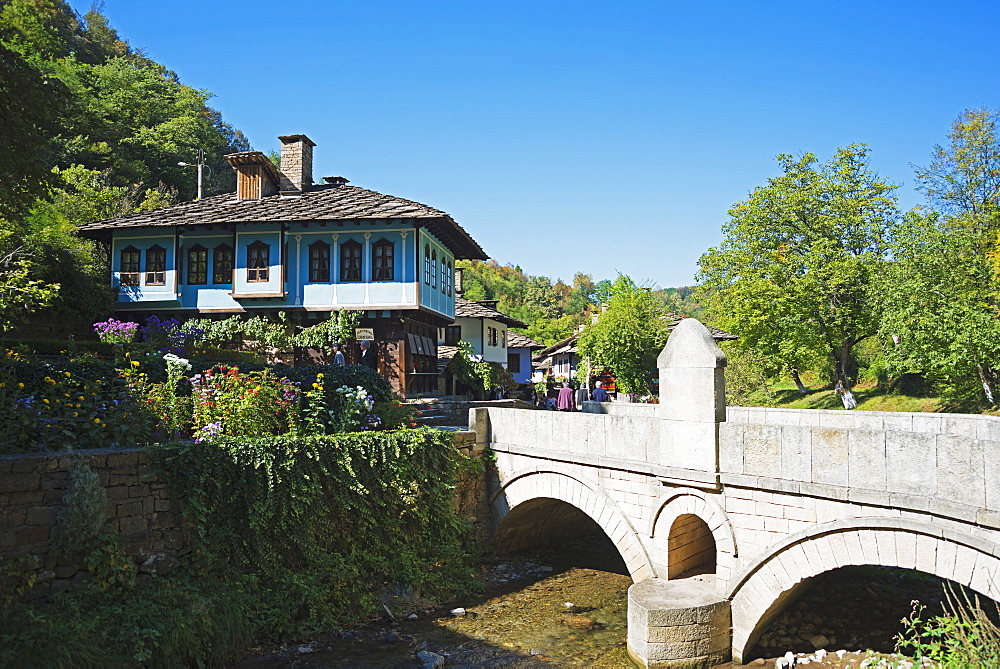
128 274
452 335
156 266
197 265
514 362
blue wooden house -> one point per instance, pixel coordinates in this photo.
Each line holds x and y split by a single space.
281 243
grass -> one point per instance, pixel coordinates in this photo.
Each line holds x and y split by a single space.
869 397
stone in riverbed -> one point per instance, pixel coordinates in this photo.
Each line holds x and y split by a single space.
429 659
818 641
579 622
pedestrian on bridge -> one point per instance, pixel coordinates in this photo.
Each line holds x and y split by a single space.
600 394
565 400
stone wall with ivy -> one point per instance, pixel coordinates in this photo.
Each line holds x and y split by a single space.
140 509
32 488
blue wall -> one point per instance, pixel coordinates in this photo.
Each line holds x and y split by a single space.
288 282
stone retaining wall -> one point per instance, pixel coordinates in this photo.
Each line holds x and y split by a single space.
31 491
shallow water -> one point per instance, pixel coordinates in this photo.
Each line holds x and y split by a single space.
564 607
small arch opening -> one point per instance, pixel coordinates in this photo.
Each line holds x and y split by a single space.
690 547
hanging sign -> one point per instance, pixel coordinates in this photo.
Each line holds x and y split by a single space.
364 333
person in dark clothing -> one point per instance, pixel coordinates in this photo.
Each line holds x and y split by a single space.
368 355
600 394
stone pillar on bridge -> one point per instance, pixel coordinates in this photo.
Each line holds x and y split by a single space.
684 622
692 397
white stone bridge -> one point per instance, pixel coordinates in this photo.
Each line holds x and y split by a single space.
721 515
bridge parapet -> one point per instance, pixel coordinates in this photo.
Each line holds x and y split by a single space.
943 464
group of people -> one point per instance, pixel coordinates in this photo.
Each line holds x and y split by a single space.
367 355
568 399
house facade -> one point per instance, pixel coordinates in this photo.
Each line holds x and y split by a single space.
519 351
282 243
482 326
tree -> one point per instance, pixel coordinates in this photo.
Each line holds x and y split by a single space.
794 278
940 306
627 337
964 177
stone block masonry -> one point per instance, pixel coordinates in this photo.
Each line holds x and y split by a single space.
31 492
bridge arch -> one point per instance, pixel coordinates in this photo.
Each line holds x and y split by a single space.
586 496
764 586
682 502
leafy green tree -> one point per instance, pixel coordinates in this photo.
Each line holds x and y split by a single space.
964 177
20 295
627 337
941 307
794 277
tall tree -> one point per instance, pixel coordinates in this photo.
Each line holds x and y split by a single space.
627 337
941 307
964 177
794 277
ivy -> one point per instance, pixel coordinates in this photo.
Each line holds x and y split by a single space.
321 523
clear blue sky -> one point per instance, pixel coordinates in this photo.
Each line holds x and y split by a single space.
581 136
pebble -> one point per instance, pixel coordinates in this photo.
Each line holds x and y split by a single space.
459 612
412 616
305 649
429 659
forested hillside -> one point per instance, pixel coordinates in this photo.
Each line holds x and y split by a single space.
554 310
91 128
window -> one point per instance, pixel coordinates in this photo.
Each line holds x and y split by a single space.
493 336
447 277
514 362
129 271
222 261
452 334
156 266
197 265
434 268
350 261
382 269
258 262
444 276
319 262
427 264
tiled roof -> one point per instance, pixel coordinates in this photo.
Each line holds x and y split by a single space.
343 205
468 309
445 355
518 340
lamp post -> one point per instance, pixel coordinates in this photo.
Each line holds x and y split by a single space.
200 165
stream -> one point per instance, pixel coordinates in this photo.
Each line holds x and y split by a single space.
567 606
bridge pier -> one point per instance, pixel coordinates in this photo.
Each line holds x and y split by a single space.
678 623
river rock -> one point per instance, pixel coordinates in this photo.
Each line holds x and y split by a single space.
579 622
818 641
459 612
429 659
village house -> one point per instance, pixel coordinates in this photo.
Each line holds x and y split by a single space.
281 243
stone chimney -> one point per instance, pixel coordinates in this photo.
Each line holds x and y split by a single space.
296 164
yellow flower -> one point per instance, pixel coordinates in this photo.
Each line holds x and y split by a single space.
97 420
135 363
20 385
48 379
75 414
320 375
3 384
46 401
67 374
80 398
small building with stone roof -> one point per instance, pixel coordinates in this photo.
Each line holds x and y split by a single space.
483 327
283 243
520 348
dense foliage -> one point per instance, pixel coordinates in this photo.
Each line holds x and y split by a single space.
93 128
627 337
292 535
